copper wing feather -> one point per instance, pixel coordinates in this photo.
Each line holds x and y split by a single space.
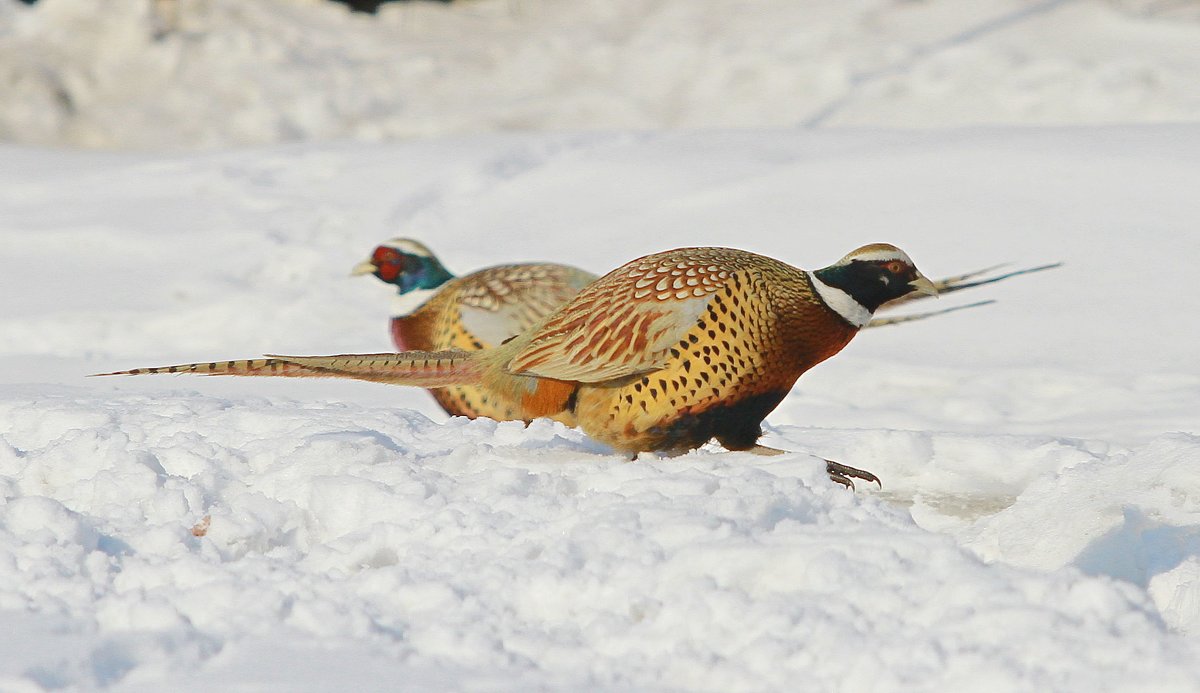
627 322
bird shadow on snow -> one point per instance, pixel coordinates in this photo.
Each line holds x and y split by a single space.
1139 549
1161 558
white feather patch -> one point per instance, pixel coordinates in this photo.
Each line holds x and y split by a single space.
843 303
404 305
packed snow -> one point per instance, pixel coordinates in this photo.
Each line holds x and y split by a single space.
1038 526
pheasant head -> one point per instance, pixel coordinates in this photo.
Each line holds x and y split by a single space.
405 263
866 278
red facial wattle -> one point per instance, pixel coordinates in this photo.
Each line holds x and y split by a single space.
389 264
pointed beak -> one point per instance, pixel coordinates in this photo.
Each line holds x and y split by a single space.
922 285
364 267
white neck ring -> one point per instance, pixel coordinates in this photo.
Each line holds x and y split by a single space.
841 302
404 305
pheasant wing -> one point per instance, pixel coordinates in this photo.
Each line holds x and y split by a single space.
501 302
627 322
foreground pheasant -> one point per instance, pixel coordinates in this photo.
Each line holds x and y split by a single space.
662 354
435 310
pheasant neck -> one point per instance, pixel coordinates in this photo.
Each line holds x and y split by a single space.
841 302
408 303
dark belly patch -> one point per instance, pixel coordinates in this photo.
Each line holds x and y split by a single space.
736 425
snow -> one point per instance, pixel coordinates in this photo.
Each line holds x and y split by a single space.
1038 527
206 73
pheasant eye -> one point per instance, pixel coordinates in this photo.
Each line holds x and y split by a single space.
895 267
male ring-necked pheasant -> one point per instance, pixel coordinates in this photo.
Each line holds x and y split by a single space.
434 310
662 354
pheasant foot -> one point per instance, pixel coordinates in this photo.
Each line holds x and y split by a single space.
841 474
838 473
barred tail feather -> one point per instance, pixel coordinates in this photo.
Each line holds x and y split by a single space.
260 367
414 368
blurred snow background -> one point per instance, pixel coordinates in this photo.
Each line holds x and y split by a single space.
157 74
192 179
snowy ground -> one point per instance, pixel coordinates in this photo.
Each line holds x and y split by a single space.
1037 528
1039 523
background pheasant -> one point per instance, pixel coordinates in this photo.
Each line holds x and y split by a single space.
662 354
434 310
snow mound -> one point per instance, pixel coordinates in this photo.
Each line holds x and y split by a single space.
487 550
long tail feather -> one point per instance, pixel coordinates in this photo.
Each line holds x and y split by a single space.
896 320
260 367
946 282
959 283
949 285
414 368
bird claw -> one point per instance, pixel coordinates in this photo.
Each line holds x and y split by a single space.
841 474
838 473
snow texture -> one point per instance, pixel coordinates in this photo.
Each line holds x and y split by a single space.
1039 522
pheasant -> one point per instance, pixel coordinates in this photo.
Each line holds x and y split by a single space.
435 310
662 354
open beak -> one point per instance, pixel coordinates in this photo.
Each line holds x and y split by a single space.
364 267
922 285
